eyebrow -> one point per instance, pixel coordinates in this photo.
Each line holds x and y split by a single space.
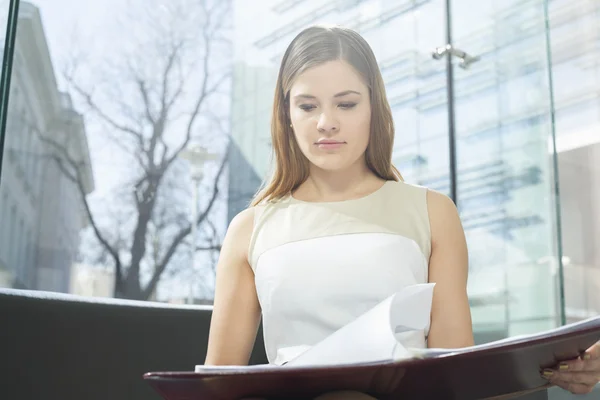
340 94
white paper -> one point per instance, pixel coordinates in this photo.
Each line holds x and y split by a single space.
224 368
411 308
377 335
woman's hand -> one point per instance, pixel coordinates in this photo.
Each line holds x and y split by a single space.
577 376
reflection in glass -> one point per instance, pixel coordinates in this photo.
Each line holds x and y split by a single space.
505 182
575 33
8 11
100 109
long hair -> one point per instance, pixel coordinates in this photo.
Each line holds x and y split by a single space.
312 47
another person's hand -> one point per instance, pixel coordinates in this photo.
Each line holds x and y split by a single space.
577 376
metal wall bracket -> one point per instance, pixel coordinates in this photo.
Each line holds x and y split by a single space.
465 59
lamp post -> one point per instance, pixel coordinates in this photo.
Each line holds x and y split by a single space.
197 156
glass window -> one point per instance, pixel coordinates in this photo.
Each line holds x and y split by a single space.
100 141
105 115
12 244
4 232
576 67
20 251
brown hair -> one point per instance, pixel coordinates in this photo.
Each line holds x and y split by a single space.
312 47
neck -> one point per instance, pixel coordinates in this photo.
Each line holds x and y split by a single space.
323 185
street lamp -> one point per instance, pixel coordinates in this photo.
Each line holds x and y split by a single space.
196 156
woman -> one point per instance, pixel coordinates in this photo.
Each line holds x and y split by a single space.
336 230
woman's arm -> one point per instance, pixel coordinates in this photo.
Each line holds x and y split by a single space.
451 325
236 311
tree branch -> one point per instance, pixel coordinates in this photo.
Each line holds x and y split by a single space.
170 73
92 104
186 231
204 92
145 98
216 247
78 181
171 61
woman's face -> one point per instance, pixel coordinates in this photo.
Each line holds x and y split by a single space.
330 112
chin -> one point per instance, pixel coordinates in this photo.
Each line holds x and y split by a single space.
331 165
335 162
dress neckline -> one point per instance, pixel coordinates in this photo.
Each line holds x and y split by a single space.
365 197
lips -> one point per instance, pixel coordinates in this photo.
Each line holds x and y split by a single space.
328 144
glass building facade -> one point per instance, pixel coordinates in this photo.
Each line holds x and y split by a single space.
524 122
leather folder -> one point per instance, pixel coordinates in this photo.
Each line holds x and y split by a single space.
493 370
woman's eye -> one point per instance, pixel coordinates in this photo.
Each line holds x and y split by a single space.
347 105
307 107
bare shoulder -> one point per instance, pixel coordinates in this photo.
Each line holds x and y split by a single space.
239 232
243 221
440 204
443 215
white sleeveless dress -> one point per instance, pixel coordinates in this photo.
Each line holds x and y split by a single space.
318 266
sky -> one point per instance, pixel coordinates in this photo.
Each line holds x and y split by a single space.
71 23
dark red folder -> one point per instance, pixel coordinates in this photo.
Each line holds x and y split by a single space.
480 372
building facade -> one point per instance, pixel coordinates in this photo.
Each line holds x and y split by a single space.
527 125
41 211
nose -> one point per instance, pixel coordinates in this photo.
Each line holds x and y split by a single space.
327 123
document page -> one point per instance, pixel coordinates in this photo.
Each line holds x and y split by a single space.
379 334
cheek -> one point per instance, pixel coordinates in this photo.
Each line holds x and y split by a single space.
361 128
303 138
303 127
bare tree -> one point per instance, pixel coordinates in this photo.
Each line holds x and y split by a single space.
151 101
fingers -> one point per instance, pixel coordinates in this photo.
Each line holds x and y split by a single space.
576 365
583 378
593 353
578 376
583 364
575 388
577 382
